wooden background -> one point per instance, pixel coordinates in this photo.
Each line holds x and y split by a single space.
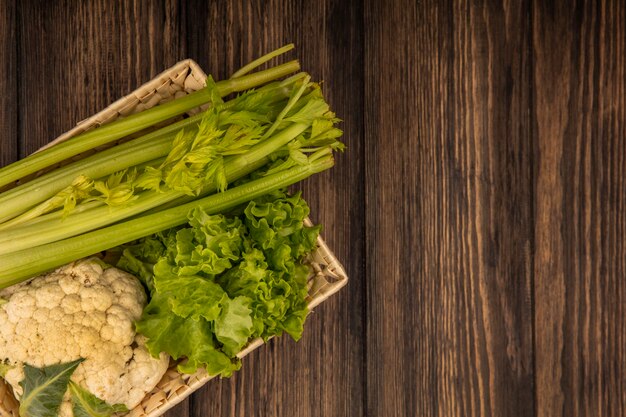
480 210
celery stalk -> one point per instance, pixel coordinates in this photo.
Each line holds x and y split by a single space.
260 61
135 123
146 148
134 152
151 183
12 240
29 262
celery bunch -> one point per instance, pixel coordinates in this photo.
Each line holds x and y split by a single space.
279 131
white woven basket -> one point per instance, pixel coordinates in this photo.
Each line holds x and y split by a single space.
327 278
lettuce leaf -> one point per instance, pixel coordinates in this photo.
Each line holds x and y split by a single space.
233 327
220 281
139 259
278 222
189 295
183 338
278 298
211 245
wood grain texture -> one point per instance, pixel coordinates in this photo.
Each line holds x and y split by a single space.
580 136
8 83
480 209
85 55
449 185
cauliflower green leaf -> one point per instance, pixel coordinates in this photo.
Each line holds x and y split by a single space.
44 388
85 404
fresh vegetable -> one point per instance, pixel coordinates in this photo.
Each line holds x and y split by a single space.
220 280
285 123
231 129
83 312
85 404
43 389
45 394
199 212
152 146
25 263
137 122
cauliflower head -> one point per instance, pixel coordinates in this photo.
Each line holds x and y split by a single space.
81 310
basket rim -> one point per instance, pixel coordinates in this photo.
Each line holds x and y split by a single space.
123 101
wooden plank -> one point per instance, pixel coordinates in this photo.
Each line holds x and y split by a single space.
8 83
84 56
322 374
580 132
484 202
448 218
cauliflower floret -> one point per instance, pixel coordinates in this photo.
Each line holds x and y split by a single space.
81 310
